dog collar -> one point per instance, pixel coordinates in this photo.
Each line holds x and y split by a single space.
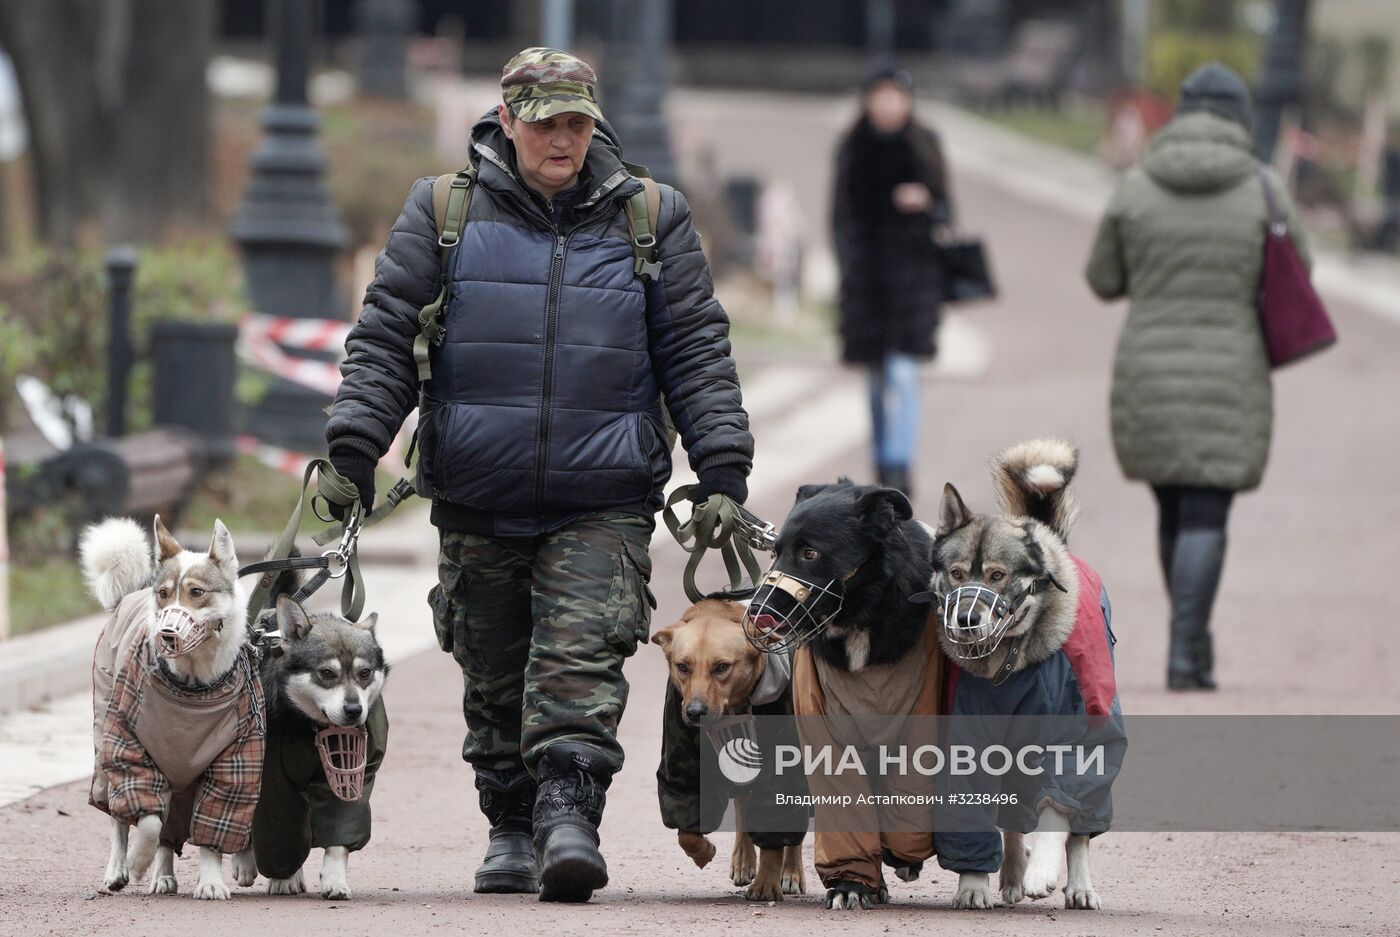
1013 653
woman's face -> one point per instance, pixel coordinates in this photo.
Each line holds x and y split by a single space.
888 106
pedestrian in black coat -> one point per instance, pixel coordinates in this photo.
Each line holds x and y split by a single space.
891 193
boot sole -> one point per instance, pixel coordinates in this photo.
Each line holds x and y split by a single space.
572 875
506 883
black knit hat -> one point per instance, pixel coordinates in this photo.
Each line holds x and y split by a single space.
1216 89
887 71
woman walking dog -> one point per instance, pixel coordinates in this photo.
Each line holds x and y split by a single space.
1192 399
891 191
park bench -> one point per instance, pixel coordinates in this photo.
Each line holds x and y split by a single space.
1036 68
138 475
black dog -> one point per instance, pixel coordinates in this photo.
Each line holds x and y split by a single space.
861 554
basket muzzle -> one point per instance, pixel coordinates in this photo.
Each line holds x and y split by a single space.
344 752
178 632
788 611
975 620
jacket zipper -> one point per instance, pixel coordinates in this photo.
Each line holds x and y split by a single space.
551 327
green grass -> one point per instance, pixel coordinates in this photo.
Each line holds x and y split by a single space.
47 593
1075 129
248 497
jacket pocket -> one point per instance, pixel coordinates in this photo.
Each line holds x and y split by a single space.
630 600
430 415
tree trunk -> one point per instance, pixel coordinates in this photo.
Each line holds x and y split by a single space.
161 144
117 108
62 51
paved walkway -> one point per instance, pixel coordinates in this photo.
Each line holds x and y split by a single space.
1322 526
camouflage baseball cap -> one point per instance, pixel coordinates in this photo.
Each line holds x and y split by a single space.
539 82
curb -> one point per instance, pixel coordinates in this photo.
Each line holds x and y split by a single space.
57 661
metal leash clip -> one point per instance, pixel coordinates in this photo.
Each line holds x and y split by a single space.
338 559
760 534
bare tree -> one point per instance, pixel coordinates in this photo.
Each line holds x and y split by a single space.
117 108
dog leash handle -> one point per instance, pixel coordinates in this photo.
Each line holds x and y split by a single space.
718 523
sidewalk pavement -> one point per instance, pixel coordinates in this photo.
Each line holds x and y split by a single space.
1324 521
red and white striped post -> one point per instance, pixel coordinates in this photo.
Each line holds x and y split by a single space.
4 554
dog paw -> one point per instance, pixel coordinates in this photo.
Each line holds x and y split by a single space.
765 890
794 883
335 890
1082 899
848 896
974 892
245 869
211 891
1039 881
116 879
287 886
697 846
742 870
1011 893
165 885
909 873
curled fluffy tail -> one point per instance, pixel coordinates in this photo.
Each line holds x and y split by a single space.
116 559
1032 480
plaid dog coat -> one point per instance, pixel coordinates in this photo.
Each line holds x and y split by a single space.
192 755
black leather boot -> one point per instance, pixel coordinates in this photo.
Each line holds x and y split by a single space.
573 782
1197 559
508 801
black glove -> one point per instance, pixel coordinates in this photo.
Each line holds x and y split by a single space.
358 467
728 480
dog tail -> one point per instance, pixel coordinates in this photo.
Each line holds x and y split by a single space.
1032 480
116 559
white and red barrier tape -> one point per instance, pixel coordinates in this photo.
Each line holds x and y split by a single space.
260 342
294 463
261 338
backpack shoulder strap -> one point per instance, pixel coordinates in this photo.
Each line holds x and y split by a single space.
452 194
643 212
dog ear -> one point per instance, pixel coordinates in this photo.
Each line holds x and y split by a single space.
883 508
166 545
662 639
807 491
291 619
952 513
221 547
368 622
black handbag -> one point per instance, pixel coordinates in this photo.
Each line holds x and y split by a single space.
967 275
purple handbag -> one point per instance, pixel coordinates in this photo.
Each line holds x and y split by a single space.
1294 321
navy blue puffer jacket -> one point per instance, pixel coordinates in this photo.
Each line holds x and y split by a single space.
544 400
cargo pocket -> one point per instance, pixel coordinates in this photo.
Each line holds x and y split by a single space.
442 617
444 600
630 600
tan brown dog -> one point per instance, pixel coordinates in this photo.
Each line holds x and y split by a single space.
714 672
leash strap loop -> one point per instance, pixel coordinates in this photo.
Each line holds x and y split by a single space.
718 523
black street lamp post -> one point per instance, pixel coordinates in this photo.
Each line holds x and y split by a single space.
288 228
639 42
383 27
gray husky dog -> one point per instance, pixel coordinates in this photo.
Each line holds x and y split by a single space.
323 690
1027 625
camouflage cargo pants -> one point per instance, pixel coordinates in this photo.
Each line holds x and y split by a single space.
540 627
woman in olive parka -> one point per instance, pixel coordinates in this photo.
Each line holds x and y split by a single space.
1192 399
